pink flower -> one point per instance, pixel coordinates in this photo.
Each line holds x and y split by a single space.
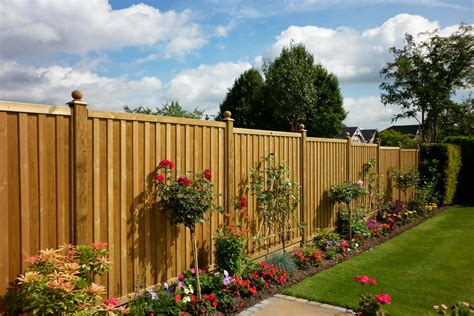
193 271
185 181
160 178
383 298
99 245
372 281
111 302
167 164
360 183
207 174
362 279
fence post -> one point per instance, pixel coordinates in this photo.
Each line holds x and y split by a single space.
399 168
229 161
80 229
377 157
348 155
304 215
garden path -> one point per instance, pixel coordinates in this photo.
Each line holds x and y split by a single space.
283 305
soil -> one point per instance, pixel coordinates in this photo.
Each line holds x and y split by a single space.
300 275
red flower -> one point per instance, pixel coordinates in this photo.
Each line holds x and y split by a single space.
243 202
255 275
226 214
252 290
185 181
177 298
383 298
372 281
362 279
211 297
214 303
160 178
167 164
203 309
207 174
111 302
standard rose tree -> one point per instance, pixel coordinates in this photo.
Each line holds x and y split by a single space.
186 199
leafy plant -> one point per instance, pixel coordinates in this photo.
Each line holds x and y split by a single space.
370 304
405 179
458 309
322 236
230 245
283 261
307 257
345 193
61 281
186 200
277 198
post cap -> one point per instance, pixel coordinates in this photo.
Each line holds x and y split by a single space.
77 95
348 135
399 144
301 128
227 114
377 141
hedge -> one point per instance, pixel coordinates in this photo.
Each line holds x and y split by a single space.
441 164
465 189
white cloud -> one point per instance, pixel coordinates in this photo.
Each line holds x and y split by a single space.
369 112
38 28
205 86
354 55
53 85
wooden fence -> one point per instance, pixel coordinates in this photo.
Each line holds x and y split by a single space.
73 175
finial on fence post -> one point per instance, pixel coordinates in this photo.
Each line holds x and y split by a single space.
301 128
348 135
227 116
77 96
400 144
377 141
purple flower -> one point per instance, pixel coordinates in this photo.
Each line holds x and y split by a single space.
227 280
372 224
180 284
154 296
180 276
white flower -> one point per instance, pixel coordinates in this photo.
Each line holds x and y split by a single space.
186 299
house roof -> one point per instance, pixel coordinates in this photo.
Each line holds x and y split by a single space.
368 133
405 129
350 130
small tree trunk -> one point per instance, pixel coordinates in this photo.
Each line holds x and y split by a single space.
350 221
196 264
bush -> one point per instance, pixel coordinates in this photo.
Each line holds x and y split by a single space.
465 184
323 235
446 160
307 257
283 261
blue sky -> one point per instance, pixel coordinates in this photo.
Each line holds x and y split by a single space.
149 52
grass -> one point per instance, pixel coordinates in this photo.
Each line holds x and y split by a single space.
432 263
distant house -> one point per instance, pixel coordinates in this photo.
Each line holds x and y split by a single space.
369 135
354 132
413 130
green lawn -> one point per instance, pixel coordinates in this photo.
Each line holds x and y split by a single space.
430 264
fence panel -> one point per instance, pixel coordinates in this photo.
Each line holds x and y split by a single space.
118 158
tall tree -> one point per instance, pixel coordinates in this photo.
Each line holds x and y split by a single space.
243 99
425 75
458 119
295 91
168 109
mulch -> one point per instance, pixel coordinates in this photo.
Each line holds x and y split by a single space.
300 275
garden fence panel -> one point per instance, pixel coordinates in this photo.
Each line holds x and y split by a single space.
46 150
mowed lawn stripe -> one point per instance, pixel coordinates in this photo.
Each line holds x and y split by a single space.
432 263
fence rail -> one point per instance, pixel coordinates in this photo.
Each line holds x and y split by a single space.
73 175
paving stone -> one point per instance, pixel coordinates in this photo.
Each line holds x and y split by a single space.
328 306
265 302
314 303
252 309
259 305
280 295
290 298
301 300
245 313
341 309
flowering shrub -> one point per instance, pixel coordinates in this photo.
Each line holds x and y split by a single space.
405 179
61 281
345 193
267 274
369 304
230 243
307 257
332 248
321 237
186 200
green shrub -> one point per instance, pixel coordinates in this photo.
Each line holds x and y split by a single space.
323 235
445 161
283 261
465 184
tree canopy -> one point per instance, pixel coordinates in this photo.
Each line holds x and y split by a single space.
425 75
168 109
391 137
295 91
